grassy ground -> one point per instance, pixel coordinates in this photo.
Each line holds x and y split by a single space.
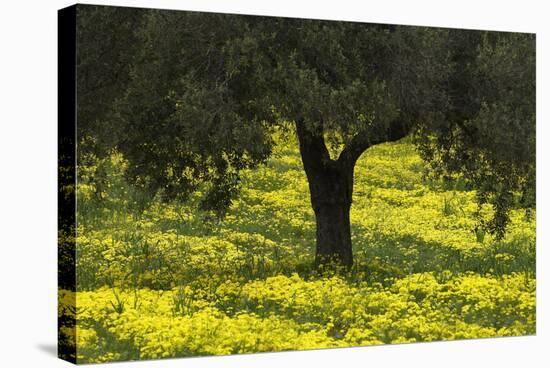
156 280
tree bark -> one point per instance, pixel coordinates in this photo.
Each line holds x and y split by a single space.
331 189
331 201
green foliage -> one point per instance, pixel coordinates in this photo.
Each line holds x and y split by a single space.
488 137
200 93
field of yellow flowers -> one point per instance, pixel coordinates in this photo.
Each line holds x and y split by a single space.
157 280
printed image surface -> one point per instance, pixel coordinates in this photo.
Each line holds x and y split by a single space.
254 184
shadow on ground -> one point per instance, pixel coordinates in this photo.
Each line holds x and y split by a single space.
50 349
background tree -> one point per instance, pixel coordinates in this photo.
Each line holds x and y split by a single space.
196 97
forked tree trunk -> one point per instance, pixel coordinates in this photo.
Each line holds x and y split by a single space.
331 187
331 184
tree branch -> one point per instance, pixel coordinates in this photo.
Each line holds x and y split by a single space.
360 143
313 149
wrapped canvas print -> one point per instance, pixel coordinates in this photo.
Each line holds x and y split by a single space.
238 184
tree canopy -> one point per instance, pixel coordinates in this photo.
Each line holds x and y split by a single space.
191 99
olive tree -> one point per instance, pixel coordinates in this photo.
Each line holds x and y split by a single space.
191 99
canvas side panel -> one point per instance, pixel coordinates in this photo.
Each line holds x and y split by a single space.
66 184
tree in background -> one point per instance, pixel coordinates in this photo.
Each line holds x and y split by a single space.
191 99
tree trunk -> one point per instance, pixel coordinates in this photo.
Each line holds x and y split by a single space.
331 187
331 201
331 184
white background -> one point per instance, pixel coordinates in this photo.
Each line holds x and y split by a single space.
28 164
